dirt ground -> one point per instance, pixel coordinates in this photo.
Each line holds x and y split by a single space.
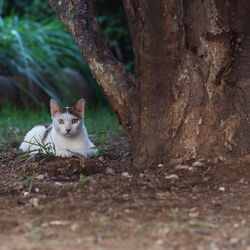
103 203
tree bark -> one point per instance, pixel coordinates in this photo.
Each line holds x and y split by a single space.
194 92
191 96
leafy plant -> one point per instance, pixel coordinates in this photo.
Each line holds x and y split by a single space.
37 51
35 45
83 179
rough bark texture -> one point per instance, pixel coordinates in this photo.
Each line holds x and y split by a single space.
192 57
192 60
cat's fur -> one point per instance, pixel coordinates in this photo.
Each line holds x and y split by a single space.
65 136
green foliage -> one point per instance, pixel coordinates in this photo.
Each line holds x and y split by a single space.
30 9
37 51
14 123
83 179
35 44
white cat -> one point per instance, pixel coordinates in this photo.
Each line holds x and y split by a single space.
65 136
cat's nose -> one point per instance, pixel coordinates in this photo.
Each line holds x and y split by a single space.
68 130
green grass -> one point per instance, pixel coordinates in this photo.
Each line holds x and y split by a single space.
101 124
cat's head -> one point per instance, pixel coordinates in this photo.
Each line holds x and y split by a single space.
67 121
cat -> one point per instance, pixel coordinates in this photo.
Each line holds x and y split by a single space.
65 136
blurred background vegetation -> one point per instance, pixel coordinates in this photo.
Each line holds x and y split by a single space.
39 60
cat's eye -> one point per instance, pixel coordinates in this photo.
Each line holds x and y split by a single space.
74 121
61 121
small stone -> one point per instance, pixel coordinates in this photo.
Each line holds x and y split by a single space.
243 181
234 240
58 183
110 171
34 202
25 194
160 165
186 167
222 189
243 222
79 241
101 158
74 227
160 242
172 176
221 158
40 177
194 214
37 190
126 174
59 223
198 164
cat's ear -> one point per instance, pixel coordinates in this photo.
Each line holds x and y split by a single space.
54 107
78 108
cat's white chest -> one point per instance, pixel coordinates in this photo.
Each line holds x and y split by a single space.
67 146
66 143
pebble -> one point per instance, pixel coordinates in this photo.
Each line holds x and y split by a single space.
101 158
160 242
234 240
182 167
34 202
126 174
79 241
141 175
25 193
74 227
40 177
172 176
160 165
110 171
198 164
221 189
193 212
59 222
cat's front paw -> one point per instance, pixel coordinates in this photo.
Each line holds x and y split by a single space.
64 153
91 152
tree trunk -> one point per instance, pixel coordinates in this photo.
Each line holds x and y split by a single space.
191 96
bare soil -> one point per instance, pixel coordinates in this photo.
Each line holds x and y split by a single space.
104 203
